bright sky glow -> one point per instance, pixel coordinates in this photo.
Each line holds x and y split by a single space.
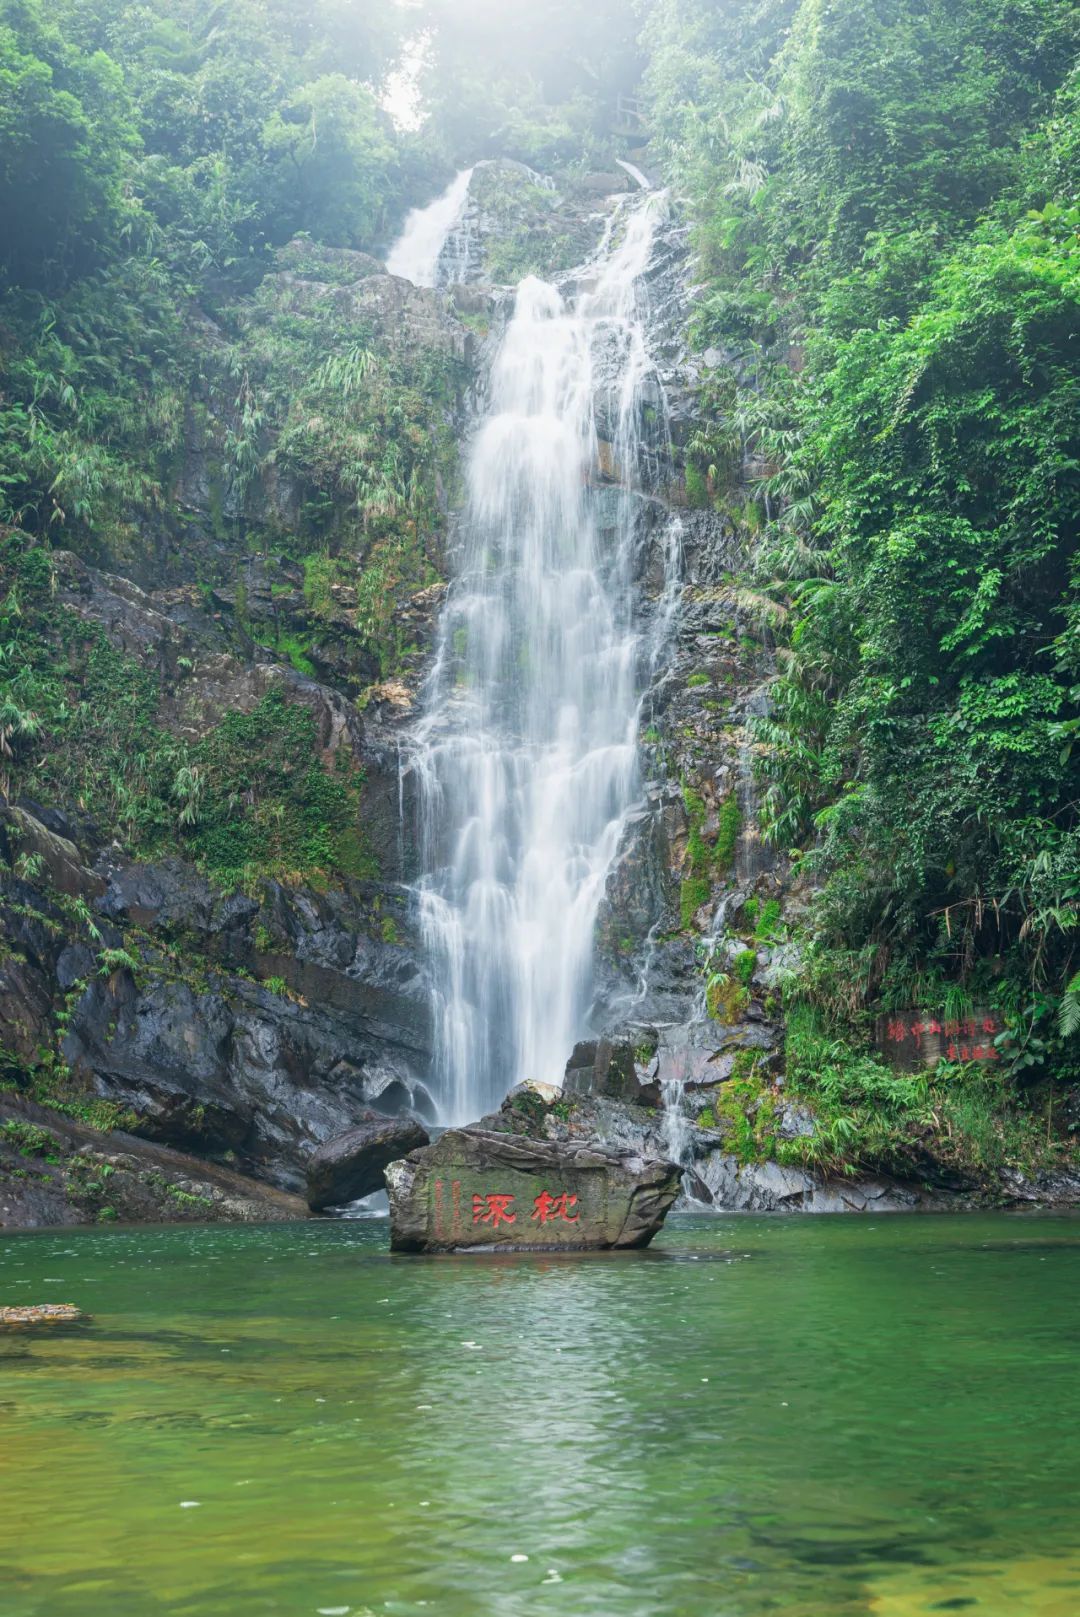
401 92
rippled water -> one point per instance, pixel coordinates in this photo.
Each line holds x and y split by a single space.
815 1417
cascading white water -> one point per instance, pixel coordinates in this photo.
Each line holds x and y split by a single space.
526 756
416 253
676 1129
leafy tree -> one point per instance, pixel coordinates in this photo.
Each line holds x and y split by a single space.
538 82
66 138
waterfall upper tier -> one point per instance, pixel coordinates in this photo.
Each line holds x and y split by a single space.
416 254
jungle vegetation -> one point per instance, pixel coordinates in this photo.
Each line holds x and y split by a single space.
885 204
161 165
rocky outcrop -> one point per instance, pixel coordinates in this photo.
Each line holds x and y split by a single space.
351 1165
766 1187
616 1071
55 1171
200 678
407 318
517 222
1047 1188
257 1026
475 1190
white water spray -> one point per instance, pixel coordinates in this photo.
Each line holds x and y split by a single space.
641 180
526 756
415 255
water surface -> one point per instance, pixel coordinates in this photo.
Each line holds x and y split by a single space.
814 1417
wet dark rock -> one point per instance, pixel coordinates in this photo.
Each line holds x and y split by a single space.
600 1067
1048 1188
474 1190
611 1125
23 836
180 1033
795 1122
227 1065
351 1164
55 1171
767 1187
25 1001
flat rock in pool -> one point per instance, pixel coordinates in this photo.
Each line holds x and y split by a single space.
41 1314
351 1164
478 1190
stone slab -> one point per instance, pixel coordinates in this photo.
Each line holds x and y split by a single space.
475 1190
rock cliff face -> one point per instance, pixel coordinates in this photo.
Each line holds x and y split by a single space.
245 1022
251 1018
252 1025
247 1028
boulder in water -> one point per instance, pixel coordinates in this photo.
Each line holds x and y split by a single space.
480 1190
351 1164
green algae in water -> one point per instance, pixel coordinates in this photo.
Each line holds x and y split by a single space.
816 1417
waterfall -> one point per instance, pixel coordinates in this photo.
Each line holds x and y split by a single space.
676 1129
416 253
526 754
641 180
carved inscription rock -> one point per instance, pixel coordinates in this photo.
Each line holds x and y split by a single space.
474 1190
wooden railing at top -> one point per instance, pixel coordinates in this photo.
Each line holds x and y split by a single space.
628 113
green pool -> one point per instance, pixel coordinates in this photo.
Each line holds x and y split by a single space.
813 1417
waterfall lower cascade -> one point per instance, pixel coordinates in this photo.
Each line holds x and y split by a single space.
526 755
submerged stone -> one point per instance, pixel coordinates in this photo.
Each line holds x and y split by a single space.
42 1314
478 1190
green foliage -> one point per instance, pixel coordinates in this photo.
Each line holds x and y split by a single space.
189 1200
272 804
744 965
252 797
694 891
767 921
728 834
28 1139
112 960
67 137
725 997
869 1116
152 158
539 83
885 204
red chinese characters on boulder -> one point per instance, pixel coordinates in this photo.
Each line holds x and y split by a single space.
493 1209
923 1040
548 1208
